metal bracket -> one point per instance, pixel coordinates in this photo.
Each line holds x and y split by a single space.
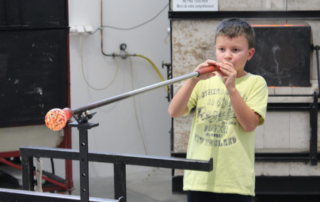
83 128
169 76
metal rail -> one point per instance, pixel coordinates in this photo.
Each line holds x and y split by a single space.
11 195
119 161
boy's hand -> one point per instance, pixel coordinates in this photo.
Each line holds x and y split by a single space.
204 65
228 74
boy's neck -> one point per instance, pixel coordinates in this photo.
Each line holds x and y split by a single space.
241 74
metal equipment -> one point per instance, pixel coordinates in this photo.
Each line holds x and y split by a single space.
120 161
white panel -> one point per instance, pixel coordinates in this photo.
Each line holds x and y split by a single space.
285 169
303 5
299 131
259 138
199 5
282 90
273 4
258 168
38 136
239 5
293 90
275 169
303 169
305 90
271 90
253 21
277 130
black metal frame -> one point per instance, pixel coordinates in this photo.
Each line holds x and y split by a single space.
219 15
169 76
11 195
287 185
273 185
169 97
270 157
313 110
16 19
119 160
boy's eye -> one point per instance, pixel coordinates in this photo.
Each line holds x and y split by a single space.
235 50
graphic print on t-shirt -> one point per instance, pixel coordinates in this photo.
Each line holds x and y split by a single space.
215 113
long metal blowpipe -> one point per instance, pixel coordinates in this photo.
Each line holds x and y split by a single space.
56 119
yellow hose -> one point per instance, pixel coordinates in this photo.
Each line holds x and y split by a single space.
155 68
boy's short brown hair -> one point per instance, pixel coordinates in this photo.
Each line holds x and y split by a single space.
234 27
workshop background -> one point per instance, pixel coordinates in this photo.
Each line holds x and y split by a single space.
141 124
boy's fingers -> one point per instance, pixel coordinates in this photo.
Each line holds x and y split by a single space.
225 71
210 61
227 64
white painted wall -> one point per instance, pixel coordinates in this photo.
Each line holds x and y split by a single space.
118 130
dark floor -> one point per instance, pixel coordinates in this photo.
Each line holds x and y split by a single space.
155 186
286 198
149 186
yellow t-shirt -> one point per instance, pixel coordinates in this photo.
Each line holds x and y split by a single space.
216 133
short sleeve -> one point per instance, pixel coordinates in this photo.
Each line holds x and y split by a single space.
258 98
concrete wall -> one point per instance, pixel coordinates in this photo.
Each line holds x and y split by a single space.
193 43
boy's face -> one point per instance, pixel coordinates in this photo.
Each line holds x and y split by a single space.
235 51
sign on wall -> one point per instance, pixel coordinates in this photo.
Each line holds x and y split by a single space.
195 5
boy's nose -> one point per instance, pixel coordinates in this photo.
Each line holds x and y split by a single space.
228 56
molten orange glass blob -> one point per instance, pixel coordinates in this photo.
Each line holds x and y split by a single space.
56 119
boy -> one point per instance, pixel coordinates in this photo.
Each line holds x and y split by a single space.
230 103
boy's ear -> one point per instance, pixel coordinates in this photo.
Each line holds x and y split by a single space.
251 52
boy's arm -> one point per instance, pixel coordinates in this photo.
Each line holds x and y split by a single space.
179 103
247 118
